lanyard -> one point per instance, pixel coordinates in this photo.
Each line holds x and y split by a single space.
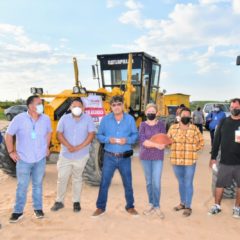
33 133
33 124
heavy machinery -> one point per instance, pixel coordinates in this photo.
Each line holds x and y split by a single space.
133 75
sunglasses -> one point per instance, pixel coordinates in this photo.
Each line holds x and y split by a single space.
116 104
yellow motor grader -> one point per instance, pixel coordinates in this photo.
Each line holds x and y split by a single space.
135 76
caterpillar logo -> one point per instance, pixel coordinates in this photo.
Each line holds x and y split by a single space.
118 61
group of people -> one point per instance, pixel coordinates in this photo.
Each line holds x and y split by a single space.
118 133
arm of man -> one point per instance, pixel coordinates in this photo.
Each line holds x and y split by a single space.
60 135
11 131
64 141
87 141
134 133
101 133
216 145
200 140
49 137
10 147
91 134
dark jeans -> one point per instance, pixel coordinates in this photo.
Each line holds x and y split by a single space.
110 164
200 127
212 136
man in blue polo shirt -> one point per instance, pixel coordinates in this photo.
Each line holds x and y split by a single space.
33 134
118 132
75 131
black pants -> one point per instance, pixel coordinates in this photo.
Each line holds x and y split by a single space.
212 135
200 127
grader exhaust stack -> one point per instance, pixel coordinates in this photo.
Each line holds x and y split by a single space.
75 65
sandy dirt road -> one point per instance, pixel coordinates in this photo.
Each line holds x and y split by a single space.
116 223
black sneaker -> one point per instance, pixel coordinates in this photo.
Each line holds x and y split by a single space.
15 217
76 207
39 214
57 206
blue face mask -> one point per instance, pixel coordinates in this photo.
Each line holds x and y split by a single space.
39 109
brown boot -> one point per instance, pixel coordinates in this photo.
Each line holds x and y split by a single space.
132 211
99 212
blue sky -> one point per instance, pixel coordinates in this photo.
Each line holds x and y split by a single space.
196 42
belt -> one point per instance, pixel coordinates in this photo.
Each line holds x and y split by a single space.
115 154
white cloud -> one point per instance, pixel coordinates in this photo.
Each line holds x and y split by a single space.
25 63
213 1
133 15
112 3
189 27
132 4
236 6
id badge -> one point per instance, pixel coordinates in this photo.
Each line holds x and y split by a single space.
237 136
33 135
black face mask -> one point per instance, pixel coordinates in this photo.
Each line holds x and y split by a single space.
235 112
185 120
151 116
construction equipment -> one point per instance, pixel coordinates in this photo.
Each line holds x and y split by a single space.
135 76
172 101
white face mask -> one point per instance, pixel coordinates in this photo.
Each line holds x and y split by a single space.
76 111
39 109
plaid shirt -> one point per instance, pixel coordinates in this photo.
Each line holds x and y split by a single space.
185 144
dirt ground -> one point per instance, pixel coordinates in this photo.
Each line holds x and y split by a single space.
116 223
3 123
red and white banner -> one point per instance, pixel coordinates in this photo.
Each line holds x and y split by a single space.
94 107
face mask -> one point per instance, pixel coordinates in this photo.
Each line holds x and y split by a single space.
216 109
185 120
151 116
235 112
76 111
39 109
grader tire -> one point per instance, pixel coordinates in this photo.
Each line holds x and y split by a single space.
6 163
93 170
229 192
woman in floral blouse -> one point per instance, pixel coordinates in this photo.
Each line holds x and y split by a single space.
151 155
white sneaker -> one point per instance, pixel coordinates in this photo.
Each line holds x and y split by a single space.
215 209
236 212
159 213
149 210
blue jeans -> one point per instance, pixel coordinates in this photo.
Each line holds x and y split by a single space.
110 164
185 175
153 172
25 172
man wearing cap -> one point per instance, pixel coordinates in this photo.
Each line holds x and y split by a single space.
118 132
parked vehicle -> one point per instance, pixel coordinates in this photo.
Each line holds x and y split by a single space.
11 112
208 107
